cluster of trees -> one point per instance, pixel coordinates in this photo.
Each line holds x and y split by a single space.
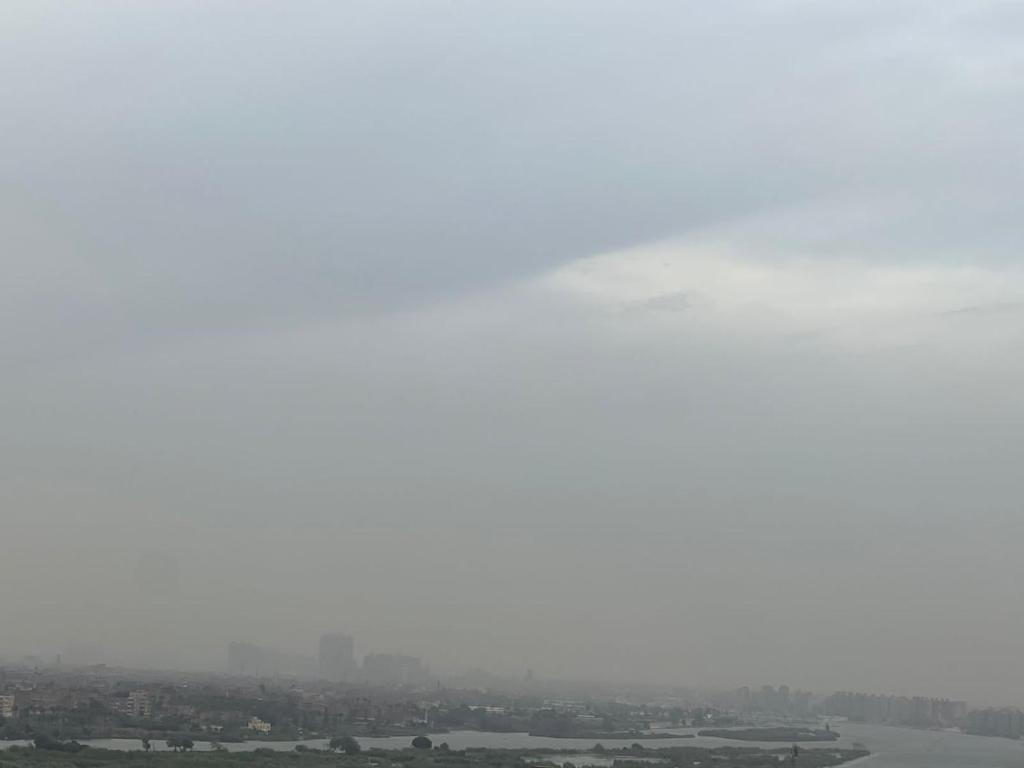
42 741
176 743
464 717
82 721
601 718
231 711
772 734
346 744
350 746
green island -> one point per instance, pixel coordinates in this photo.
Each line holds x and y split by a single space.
56 754
771 734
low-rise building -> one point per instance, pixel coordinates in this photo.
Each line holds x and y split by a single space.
258 726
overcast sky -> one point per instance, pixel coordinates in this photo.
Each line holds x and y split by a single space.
672 341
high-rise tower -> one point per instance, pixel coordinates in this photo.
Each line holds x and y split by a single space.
337 657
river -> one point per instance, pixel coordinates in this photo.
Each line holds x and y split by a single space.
890 747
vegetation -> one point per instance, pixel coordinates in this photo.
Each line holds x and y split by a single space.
722 757
180 744
346 744
51 744
771 734
61 707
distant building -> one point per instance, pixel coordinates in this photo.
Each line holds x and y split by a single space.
140 705
7 706
337 659
258 726
772 700
249 660
896 710
996 722
137 705
245 659
394 669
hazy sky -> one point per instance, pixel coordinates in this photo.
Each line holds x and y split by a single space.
669 341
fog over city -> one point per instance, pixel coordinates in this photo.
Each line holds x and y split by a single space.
664 342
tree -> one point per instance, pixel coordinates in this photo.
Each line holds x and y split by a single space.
45 741
422 742
180 743
346 744
349 746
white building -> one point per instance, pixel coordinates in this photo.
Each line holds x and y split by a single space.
259 726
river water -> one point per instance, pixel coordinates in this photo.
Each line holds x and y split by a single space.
890 747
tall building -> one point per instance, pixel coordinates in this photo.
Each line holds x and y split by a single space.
140 704
337 659
897 710
255 661
996 722
245 659
394 669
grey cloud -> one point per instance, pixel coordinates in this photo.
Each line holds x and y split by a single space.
330 159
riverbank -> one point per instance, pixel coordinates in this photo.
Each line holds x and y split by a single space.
771 734
613 735
890 746
72 755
